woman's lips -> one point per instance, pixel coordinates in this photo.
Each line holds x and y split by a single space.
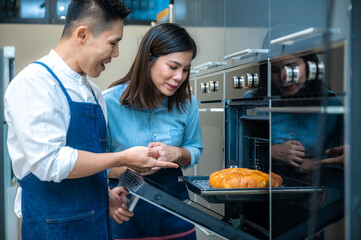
172 86
289 87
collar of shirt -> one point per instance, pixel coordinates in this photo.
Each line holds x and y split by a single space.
69 76
61 67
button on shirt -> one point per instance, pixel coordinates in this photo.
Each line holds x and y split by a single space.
37 114
131 127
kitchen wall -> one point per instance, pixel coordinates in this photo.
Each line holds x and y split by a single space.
32 41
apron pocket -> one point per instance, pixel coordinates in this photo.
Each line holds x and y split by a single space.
76 227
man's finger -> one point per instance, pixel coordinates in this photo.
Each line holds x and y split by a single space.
335 160
153 152
163 164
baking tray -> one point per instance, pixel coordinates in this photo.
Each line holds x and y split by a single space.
290 189
187 209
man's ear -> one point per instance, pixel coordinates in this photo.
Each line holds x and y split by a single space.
81 34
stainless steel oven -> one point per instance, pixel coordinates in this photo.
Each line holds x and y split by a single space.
210 97
245 119
285 125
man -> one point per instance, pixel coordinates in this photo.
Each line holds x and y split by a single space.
57 131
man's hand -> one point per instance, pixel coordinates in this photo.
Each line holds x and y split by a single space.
336 156
118 209
144 159
166 153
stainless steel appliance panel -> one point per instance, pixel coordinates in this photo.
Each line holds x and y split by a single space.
192 170
211 117
314 66
210 87
8 183
245 78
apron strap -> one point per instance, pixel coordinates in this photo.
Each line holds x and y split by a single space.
57 79
62 86
91 89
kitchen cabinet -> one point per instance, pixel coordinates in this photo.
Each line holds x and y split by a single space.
204 20
245 29
287 25
305 24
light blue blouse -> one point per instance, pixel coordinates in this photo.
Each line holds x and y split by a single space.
129 127
306 128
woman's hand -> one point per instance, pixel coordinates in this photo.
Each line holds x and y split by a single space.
166 153
308 165
289 152
118 209
144 159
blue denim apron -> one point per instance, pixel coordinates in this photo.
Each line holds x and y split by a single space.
152 223
73 208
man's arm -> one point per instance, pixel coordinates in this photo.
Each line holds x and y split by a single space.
140 159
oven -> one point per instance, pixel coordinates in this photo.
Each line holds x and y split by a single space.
248 113
298 103
276 105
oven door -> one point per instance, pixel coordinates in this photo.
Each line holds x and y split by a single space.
204 218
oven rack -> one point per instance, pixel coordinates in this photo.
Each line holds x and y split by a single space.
290 189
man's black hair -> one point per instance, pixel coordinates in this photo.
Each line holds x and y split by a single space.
98 15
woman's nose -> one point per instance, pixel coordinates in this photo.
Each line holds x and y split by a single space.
178 75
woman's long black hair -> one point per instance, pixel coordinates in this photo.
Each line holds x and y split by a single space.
160 40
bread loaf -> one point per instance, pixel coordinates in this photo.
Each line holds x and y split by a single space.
243 178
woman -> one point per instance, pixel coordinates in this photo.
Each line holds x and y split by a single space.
295 136
299 141
153 106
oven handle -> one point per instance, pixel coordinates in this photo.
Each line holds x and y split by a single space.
204 231
309 32
209 65
245 52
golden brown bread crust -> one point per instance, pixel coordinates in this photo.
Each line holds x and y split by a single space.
243 178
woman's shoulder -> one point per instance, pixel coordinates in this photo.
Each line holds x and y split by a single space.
114 92
192 102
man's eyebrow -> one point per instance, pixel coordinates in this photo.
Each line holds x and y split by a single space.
116 39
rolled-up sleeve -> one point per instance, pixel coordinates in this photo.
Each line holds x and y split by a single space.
192 140
36 112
